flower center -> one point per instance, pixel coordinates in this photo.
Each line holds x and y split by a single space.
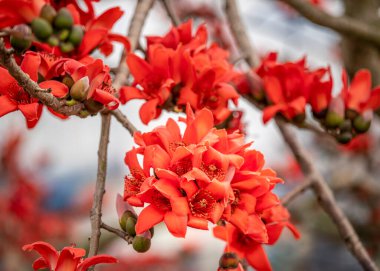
202 204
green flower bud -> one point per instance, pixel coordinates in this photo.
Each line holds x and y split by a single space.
93 106
84 114
21 37
53 41
48 13
71 102
141 244
68 81
124 218
41 28
344 138
345 126
130 226
64 19
76 35
63 34
229 260
66 47
361 125
333 120
79 90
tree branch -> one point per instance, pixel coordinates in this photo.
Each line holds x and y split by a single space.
123 235
31 87
96 210
298 190
124 121
171 12
343 24
320 188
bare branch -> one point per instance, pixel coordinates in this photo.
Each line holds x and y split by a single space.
123 235
320 188
298 190
239 33
171 12
343 24
124 121
23 79
327 201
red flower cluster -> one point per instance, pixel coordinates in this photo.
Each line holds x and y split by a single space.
69 259
205 175
180 68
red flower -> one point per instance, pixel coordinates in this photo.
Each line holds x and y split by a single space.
13 97
19 11
69 259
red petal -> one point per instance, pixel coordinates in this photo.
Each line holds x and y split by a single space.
40 263
177 225
83 266
6 105
30 64
69 259
273 89
199 128
31 112
148 111
130 93
139 68
258 259
58 89
359 89
149 217
47 252
106 98
198 223
107 19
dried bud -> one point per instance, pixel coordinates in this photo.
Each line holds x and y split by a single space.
79 90
41 28
64 19
21 37
76 35
48 13
229 260
66 47
141 244
361 124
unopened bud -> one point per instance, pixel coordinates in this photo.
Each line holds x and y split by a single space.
41 28
141 244
361 124
229 260
79 90
333 119
68 81
93 106
66 47
48 13
130 226
53 41
76 35
21 37
64 19
124 218
344 137
63 34
345 126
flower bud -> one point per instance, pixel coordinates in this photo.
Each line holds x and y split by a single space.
41 28
68 81
124 218
53 41
130 226
21 37
345 126
48 13
335 114
141 244
64 19
66 47
79 90
344 137
229 260
63 34
76 35
361 124
93 106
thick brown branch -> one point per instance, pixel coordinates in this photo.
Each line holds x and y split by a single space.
23 79
96 210
239 33
123 235
343 24
321 189
124 121
326 200
171 12
298 190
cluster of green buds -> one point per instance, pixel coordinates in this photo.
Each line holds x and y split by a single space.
141 242
343 124
52 27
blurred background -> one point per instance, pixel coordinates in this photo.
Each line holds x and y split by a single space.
47 174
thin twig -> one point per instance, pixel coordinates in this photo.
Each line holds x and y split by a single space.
171 12
96 210
298 190
123 235
23 79
327 201
124 121
320 188
342 24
